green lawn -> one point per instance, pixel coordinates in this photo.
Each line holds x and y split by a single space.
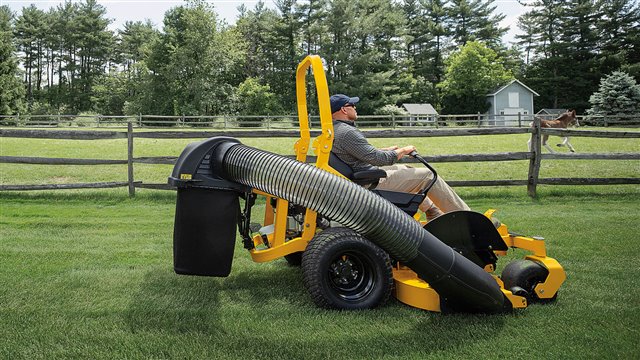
89 274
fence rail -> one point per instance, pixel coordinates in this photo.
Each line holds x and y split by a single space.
230 122
535 156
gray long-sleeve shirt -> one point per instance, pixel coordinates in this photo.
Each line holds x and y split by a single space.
352 147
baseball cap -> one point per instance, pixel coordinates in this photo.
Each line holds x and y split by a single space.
339 100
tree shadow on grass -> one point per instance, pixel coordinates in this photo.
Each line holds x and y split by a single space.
178 304
175 304
368 334
262 305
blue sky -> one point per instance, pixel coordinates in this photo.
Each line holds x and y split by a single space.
124 10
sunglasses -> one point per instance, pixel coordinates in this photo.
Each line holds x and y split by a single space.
350 105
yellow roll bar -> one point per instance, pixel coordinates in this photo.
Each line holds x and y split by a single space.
322 144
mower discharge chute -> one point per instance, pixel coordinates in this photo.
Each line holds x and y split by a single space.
355 246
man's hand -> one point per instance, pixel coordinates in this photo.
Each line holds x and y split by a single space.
400 152
394 147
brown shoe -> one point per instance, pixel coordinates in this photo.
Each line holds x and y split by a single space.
433 212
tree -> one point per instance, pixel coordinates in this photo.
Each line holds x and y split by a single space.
372 61
287 32
581 38
619 94
428 32
475 20
618 24
134 43
29 29
95 44
11 89
272 53
194 66
471 74
252 98
554 35
133 50
312 15
65 42
110 93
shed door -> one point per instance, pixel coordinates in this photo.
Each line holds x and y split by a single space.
514 100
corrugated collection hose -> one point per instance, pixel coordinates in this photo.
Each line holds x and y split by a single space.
461 284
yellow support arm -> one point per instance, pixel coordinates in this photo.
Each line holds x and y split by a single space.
323 142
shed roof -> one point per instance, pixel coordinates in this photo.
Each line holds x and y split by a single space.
551 111
420 109
509 83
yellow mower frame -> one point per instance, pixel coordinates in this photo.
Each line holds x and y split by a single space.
409 288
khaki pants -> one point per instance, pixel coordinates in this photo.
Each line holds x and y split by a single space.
440 199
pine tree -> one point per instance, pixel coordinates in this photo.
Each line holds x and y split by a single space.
618 24
95 44
134 43
618 94
312 15
551 69
429 33
30 33
289 54
374 58
475 20
11 88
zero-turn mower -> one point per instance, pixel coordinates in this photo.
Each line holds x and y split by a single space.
356 246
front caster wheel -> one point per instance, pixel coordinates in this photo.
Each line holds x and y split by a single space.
521 278
343 270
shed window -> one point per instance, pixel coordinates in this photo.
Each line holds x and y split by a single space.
514 100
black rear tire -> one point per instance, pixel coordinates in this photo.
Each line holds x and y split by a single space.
343 270
522 276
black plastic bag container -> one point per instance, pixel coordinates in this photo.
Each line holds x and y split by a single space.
205 231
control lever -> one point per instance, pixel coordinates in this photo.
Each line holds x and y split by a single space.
417 156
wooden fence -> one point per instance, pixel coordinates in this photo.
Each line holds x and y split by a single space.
535 156
276 122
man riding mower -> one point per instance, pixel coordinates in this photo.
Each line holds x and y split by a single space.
356 246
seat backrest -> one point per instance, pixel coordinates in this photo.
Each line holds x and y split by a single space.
340 166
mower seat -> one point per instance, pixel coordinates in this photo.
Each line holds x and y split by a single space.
367 178
407 202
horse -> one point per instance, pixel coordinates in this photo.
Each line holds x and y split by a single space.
562 122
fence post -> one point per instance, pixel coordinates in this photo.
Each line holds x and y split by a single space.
132 188
519 119
140 120
393 121
534 162
479 120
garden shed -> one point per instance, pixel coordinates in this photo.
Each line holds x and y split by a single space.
509 103
549 114
421 113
